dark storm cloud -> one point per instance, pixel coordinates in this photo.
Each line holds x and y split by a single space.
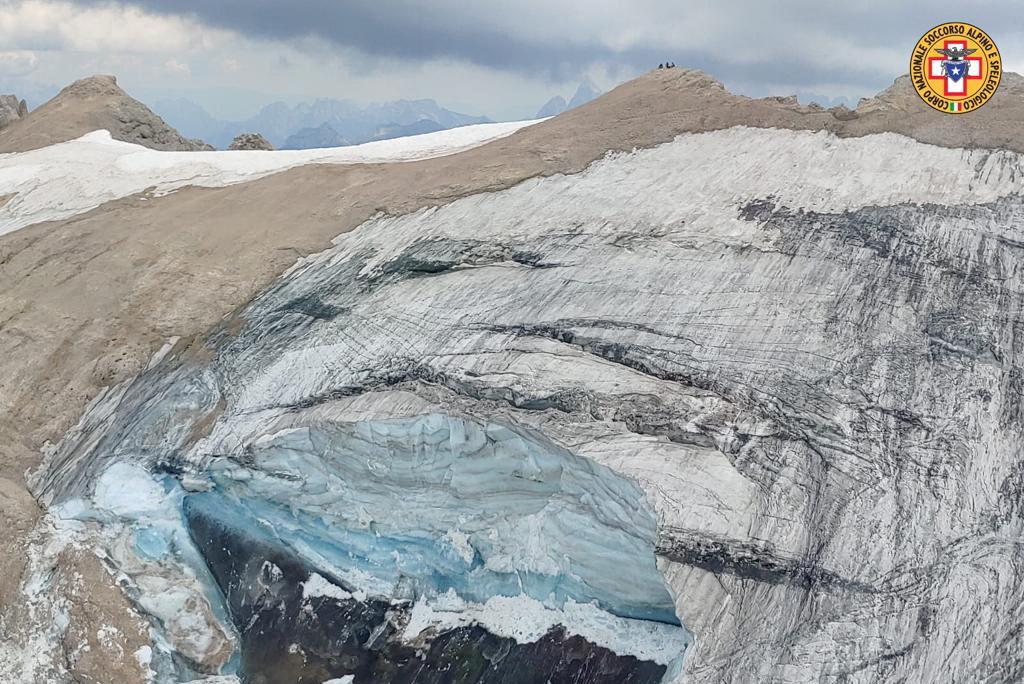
788 42
400 29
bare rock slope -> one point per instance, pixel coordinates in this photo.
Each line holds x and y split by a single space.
91 104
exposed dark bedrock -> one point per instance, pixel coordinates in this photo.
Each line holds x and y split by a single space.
289 640
748 561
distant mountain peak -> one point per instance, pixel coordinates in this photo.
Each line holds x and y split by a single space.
91 104
300 126
585 92
315 137
93 86
554 107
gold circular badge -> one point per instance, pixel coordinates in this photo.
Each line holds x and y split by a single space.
955 68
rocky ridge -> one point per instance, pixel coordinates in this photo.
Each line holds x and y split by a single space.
88 105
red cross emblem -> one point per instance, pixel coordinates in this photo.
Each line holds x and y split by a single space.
954 87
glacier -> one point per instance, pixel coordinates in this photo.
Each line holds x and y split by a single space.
437 504
455 523
691 406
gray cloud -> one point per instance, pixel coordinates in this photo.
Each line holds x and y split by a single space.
400 29
785 45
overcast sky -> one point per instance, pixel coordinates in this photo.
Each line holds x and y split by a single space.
502 59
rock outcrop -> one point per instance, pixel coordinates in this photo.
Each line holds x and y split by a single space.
798 333
250 141
11 109
88 105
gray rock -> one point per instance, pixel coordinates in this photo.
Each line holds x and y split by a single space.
250 141
197 145
88 105
11 109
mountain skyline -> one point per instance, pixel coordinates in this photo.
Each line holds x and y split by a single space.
480 58
585 92
193 110
313 127
297 124
329 122
350 121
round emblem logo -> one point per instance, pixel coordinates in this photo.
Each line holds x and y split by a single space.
955 68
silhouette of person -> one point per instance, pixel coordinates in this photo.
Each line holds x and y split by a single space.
661 66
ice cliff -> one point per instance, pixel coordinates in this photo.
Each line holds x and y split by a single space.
758 386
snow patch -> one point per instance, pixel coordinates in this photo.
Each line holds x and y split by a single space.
70 178
317 586
527 620
129 491
144 657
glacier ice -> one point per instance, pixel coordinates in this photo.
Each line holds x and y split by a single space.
469 524
386 498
